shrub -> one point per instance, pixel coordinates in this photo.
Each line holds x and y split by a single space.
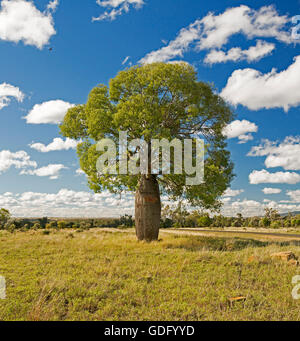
107 222
61 224
11 228
85 225
25 228
275 224
127 220
12 222
23 223
204 221
52 225
36 226
69 224
254 222
246 222
296 222
237 223
43 222
4 217
166 223
265 222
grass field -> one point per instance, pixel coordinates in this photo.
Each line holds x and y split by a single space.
101 275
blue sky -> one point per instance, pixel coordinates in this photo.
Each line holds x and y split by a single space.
53 53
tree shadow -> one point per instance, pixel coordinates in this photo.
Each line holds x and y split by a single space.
192 243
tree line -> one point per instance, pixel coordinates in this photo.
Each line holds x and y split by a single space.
178 217
9 223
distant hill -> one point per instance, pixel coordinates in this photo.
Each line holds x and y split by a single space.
292 213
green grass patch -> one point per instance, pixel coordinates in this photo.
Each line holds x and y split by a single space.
96 275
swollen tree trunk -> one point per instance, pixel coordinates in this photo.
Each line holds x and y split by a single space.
147 209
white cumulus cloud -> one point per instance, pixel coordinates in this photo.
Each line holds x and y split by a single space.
52 171
294 195
284 154
233 193
56 145
256 90
19 160
271 190
263 176
254 53
240 129
51 112
20 20
7 92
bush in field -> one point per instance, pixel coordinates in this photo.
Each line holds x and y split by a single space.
69 224
61 225
254 222
179 215
221 221
276 224
43 222
246 222
239 221
218 221
191 220
204 221
104 222
127 220
85 225
23 223
36 226
296 222
51 225
76 225
11 221
4 217
166 223
265 222
11 228
25 228
226 221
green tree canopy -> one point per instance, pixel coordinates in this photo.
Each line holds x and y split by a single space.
155 101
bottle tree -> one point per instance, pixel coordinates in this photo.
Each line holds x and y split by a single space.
155 101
